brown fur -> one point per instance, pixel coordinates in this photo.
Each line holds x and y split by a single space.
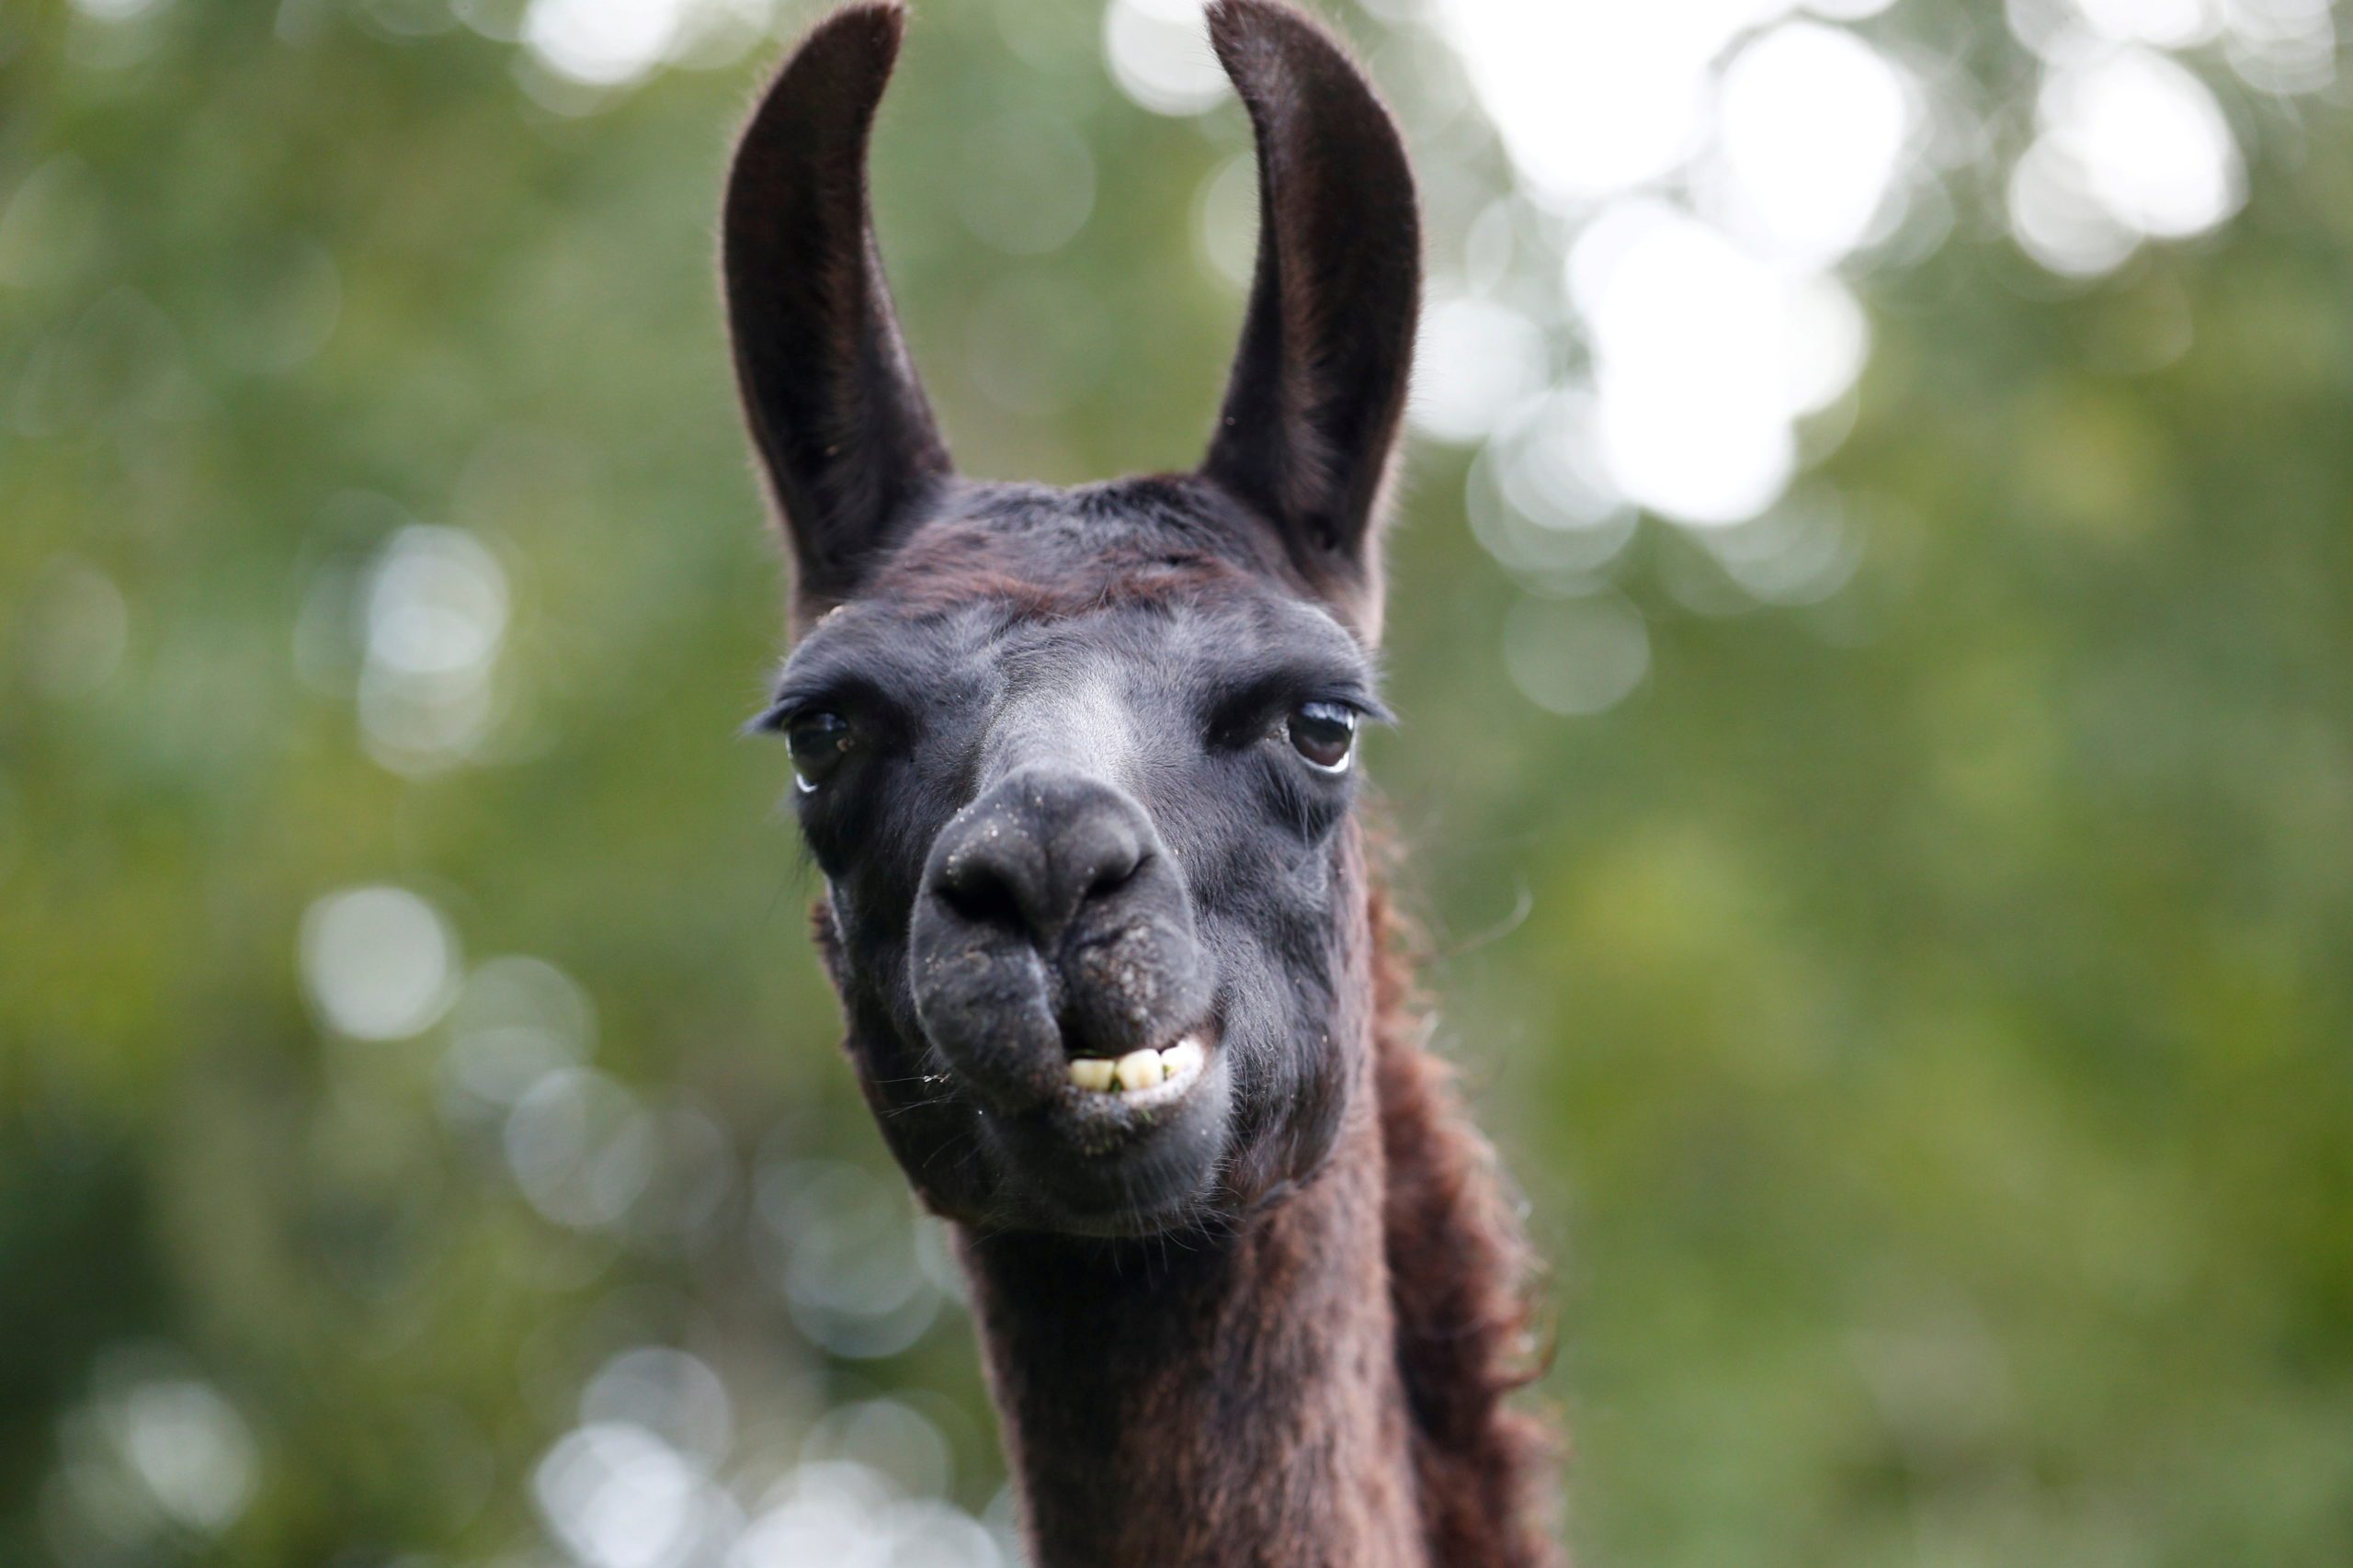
983 557
1458 1270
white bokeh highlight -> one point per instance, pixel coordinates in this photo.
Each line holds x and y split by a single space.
643 1481
1710 166
157 1454
1477 361
1594 98
1811 125
615 1495
582 1147
845 1247
1576 657
1158 52
1704 358
378 963
2131 147
434 615
606 44
191 1447
517 1021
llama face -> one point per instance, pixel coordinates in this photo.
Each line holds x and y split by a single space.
1077 778
1077 764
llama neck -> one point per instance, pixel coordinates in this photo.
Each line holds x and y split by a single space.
1226 1401
1324 1386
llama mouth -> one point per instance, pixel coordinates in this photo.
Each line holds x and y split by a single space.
1129 1144
1122 1105
1142 1079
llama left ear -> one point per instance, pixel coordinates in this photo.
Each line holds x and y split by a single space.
1313 405
844 431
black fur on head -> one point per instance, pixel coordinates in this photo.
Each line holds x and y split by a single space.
1076 762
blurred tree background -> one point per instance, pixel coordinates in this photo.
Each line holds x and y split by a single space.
1873 616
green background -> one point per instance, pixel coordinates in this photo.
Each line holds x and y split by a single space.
1921 1021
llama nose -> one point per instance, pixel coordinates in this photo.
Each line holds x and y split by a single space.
1036 852
1053 924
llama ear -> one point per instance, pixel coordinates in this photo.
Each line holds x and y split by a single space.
842 426
1311 408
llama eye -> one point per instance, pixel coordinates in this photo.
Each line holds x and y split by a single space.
818 741
1325 734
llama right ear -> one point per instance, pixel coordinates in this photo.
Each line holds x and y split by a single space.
1313 403
844 431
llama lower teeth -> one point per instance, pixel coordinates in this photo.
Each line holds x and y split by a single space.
1183 1058
1141 1070
1138 1070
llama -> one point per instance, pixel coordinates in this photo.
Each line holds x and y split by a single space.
1118 978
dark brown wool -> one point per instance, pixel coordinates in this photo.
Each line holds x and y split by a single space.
1459 1269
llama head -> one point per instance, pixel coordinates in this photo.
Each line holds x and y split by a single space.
1076 764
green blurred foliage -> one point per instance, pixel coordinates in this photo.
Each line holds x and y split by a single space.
1922 1021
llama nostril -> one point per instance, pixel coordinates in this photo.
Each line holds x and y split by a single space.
1110 878
1036 857
982 894
1037 897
